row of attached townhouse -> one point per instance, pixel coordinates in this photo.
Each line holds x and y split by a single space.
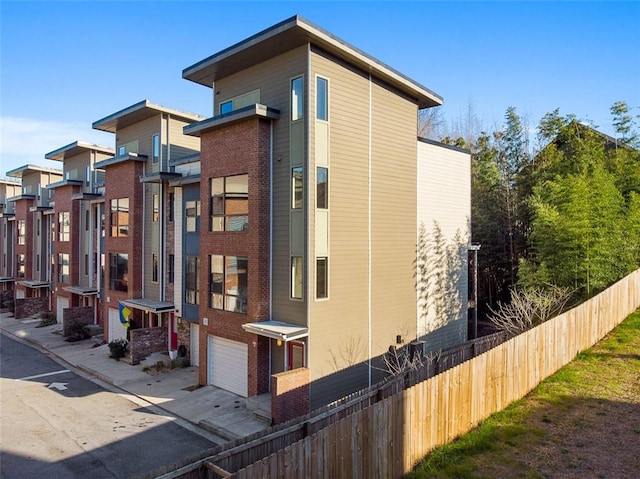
285 242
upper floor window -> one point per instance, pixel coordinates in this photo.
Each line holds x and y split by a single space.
191 289
322 99
226 107
230 203
120 217
296 187
154 268
156 148
296 277
228 281
322 278
156 208
22 232
322 183
297 103
122 150
119 272
20 265
192 215
63 268
64 226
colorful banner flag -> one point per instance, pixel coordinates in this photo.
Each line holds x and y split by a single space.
125 313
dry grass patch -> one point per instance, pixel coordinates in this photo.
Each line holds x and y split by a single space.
583 422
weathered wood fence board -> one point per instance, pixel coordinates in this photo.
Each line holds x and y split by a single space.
385 433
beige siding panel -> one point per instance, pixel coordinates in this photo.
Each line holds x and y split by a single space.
322 143
181 144
322 233
393 212
178 249
273 78
444 197
346 310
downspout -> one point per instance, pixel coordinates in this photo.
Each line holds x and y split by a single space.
369 236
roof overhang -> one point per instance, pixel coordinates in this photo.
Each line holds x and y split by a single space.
246 113
81 290
76 148
114 160
139 112
65 182
22 171
86 196
33 284
34 209
149 305
159 177
277 330
185 180
6 279
293 33
22 197
7 215
183 160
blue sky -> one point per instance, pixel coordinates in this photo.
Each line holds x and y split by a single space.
67 64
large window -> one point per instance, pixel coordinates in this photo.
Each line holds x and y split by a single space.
120 217
322 99
297 103
20 265
192 215
322 278
191 289
22 231
63 268
119 272
230 203
296 277
64 226
322 190
296 187
228 280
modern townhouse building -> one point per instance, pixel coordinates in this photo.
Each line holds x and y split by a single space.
76 218
138 203
9 188
314 194
33 225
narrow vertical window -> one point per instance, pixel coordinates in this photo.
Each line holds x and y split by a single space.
296 187
86 219
172 200
226 107
170 268
156 148
156 208
192 294
154 268
322 278
192 216
322 99
86 265
322 190
296 277
122 150
297 103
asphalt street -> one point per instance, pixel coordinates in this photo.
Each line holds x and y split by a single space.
56 423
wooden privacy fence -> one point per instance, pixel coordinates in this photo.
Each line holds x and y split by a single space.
387 438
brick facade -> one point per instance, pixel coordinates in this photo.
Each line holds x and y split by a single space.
72 317
239 148
143 342
289 395
28 307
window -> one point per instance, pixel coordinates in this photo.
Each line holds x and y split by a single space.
156 208
297 103
22 233
226 107
20 268
172 201
296 277
38 262
118 272
156 148
86 265
192 215
230 203
296 187
63 268
322 190
38 227
86 219
154 268
64 226
322 278
191 290
170 268
322 99
228 280
120 217
122 150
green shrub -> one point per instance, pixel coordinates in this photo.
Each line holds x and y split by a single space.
118 348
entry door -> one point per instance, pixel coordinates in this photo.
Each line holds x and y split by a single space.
116 328
62 304
194 345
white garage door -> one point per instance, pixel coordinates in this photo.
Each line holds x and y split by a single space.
227 365
194 345
116 329
62 304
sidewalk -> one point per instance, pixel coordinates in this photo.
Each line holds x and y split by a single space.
215 410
